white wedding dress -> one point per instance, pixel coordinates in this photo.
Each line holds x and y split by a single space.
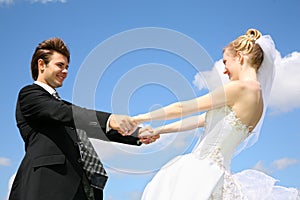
205 173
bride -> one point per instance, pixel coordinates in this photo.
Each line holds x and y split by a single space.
234 116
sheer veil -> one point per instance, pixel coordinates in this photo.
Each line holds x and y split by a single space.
266 74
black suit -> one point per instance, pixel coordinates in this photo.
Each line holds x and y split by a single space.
51 167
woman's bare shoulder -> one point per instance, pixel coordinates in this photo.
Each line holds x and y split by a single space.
244 85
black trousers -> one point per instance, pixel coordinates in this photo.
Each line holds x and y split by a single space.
80 194
98 194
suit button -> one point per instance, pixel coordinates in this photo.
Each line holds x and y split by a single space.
71 128
93 123
79 160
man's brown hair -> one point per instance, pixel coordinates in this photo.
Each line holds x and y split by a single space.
45 50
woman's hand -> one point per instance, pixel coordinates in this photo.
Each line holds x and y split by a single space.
147 135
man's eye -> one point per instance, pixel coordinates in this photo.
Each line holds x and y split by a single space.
60 65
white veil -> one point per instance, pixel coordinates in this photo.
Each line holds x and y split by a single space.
266 74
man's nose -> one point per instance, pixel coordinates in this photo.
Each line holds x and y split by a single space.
65 70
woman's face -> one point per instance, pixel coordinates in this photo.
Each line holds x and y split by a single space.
231 65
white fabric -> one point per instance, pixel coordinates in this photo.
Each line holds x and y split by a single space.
46 87
205 173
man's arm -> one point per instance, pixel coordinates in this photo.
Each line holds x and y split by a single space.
133 139
38 105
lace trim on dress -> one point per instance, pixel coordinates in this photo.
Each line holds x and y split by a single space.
231 189
217 157
233 120
236 121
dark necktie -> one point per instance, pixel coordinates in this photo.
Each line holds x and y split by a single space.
90 161
55 94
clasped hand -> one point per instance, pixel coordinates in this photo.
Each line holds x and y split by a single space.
148 135
126 125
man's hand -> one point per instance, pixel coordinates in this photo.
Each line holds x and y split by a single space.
124 124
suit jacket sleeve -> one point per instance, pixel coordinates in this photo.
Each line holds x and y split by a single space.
38 106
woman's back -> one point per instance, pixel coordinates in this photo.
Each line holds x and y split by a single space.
248 103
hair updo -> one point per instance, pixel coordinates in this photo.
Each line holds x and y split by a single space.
246 44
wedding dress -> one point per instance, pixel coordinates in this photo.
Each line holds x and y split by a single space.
205 172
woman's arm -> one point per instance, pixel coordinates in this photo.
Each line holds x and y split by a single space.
178 126
176 110
225 95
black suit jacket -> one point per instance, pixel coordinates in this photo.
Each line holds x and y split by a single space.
51 166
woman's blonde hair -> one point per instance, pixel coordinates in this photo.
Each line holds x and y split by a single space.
246 44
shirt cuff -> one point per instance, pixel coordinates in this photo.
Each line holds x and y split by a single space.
107 124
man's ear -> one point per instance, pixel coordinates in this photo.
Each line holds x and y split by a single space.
41 65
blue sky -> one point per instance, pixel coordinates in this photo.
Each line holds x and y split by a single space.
161 76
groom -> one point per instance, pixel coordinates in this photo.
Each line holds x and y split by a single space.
60 163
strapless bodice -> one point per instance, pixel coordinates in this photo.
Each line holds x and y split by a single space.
223 132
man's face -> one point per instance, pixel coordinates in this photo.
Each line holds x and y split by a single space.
55 72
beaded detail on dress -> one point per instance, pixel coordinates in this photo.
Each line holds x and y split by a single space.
233 119
231 189
228 189
217 157
236 122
